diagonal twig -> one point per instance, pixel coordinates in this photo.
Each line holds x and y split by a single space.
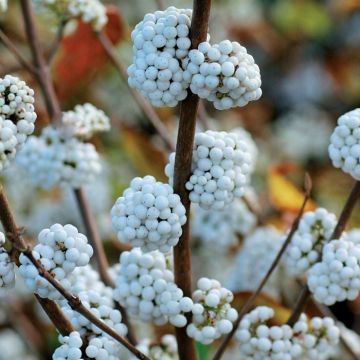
247 306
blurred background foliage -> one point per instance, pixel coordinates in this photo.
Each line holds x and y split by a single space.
309 55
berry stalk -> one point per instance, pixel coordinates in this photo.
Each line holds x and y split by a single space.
182 172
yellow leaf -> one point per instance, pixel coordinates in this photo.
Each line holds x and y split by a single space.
283 194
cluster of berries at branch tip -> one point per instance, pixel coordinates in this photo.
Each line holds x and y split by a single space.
53 159
164 68
17 116
344 148
85 120
315 229
89 11
260 341
7 269
213 315
60 249
221 165
149 215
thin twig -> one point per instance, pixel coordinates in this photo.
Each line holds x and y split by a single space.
42 73
182 171
17 54
144 105
54 111
62 324
101 259
76 304
247 306
56 43
340 227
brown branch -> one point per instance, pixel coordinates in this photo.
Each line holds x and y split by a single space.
42 73
17 54
76 304
340 227
247 306
101 259
144 105
56 43
62 324
94 237
182 172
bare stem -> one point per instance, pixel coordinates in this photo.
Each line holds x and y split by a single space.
56 43
146 108
13 233
182 172
94 237
17 54
42 73
340 227
247 306
76 304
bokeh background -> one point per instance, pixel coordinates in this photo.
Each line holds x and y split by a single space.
309 55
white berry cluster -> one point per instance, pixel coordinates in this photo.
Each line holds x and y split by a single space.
104 347
317 337
90 11
85 120
259 341
220 229
254 259
149 215
160 44
7 269
60 250
70 348
224 74
166 349
53 159
337 276
315 229
221 163
352 235
311 339
17 116
146 288
344 148
213 315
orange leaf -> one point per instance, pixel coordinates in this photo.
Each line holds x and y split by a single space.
144 156
281 312
283 194
81 56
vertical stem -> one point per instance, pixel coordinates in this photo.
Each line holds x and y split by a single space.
42 73
182 171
